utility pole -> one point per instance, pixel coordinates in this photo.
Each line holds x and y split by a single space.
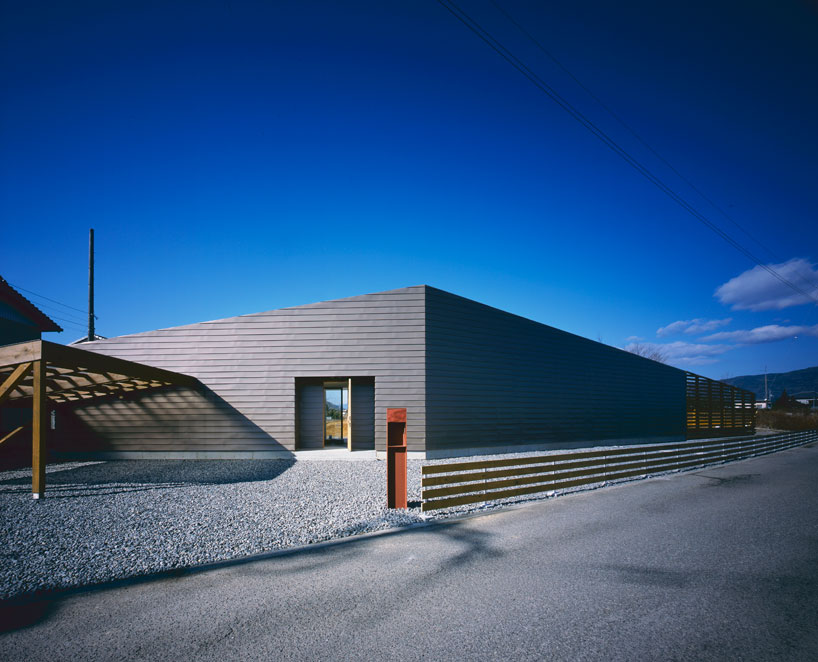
766 390
91 330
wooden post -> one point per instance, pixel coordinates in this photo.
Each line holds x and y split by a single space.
39 430
396 487
349 414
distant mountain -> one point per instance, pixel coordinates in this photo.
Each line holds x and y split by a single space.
800 383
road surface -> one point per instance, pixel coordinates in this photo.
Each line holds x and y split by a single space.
717 564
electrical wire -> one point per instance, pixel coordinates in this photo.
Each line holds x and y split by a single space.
632 131
59 303
802 277
47 308
80 324
67 321
503 52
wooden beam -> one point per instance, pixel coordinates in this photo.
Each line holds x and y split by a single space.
39 431
81 371
19 374
71 357
21 352
12 433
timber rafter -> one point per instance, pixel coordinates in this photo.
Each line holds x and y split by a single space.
75 375
49 373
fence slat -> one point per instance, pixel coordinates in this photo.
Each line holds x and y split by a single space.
553 474
545 462
540 459
560 471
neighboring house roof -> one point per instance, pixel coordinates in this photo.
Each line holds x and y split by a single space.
85 339
26 310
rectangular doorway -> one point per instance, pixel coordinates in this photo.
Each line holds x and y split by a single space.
336 415
335 412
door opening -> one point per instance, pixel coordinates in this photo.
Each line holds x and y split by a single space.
336 414
333 412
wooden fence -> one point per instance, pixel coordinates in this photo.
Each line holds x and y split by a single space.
459 483
717 409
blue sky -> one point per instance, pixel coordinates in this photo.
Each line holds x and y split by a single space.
235 157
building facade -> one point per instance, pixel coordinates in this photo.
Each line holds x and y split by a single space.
472 378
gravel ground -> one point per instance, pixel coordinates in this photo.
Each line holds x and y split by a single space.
109 520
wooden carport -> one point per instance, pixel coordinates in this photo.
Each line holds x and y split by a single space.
48 372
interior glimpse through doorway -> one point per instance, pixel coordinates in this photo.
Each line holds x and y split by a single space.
336 414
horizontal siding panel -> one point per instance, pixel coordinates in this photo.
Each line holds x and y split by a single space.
313 325
249 365
229 344
494 378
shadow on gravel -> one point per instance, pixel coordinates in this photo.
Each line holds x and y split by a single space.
138 475
31 609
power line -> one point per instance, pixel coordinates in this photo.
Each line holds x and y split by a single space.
48 308
509 57
633 132
64 319
74 322
802 277
68 321
59 303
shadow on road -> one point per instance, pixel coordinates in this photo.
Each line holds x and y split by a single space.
18 614
473 545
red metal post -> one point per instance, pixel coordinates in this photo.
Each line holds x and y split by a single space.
396 458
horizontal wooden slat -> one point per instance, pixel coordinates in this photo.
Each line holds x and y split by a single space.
661 463
603 461
543 487
540 459
554 476
716 409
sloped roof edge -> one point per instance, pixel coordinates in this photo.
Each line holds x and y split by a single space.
399 290
23 306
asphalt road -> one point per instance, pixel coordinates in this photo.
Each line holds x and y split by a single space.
720 564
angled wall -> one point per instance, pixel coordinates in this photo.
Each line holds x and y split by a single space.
494 379
473 378
249 365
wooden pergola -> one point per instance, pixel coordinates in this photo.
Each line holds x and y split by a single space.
48 372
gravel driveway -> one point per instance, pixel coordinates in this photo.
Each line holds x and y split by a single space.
107 520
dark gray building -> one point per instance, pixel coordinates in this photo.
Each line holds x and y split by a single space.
21 320
472 378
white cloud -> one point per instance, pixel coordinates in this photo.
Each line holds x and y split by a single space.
703 326
672 328
632 339
694 360
687 350
698 325
763 334
757 289
686 353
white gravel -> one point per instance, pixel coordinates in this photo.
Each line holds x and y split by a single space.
102 521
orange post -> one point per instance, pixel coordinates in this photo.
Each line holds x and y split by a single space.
396 458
